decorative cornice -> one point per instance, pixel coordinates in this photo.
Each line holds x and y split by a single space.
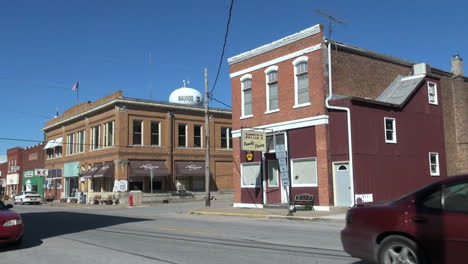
275 44
293 124
277 60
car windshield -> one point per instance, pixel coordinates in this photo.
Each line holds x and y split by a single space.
29 192
3 206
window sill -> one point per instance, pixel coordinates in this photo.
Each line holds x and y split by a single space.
271 111
435 175
304 185
245 117
390 142
302 105
251 187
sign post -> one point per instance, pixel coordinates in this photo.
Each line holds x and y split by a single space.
282 156
151 174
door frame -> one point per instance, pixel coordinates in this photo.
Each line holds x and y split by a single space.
334 180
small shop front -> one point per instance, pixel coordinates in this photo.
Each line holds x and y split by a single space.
140 175
12 181
70 176
101 177
33 182
53 184
191 175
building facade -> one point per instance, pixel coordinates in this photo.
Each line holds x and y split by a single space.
315 97
118 143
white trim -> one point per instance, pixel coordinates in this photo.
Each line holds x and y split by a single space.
246 117
435 101
412 77
245 77
296 83
272 111
299 60
247 205
275 44
292 172
394 140
292 124
437 163
302 105
277 60
334 177
241 178
270 69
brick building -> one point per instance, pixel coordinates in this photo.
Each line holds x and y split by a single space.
289 90
18 173
95 144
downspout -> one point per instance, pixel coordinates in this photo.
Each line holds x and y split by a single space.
348 115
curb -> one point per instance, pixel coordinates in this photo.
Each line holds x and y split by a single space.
273 217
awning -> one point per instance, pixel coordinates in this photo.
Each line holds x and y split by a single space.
143 168
106 170
53 143
89 173
190 168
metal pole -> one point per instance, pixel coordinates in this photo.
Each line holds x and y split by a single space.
151 174
207 144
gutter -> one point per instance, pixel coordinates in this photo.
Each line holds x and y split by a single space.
348 117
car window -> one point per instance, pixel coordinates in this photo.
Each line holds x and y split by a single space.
433 200
456 197
21 193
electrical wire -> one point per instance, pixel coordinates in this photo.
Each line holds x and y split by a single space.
224 47
214 99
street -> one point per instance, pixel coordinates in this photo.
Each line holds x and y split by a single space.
166 234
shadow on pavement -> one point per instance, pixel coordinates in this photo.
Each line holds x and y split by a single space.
39 226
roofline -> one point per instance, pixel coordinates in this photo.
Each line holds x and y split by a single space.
134 101
276 44
381 56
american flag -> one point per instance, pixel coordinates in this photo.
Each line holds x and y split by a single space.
75 87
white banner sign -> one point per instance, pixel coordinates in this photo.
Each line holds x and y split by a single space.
41 172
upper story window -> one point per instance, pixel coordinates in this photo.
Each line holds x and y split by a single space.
109 134
390 130
53 148
95 137
301 81
81 141
246 95
155 136
432 92
272 88
273 140
182 129
434 163
70 144
137 132
197 136
226 138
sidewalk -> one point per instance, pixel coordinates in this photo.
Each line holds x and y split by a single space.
336 214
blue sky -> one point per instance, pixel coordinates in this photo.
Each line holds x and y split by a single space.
47 46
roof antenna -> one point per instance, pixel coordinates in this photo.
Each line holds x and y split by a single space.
330 19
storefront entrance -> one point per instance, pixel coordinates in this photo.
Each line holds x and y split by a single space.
274 192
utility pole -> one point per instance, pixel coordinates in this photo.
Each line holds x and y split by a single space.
207 144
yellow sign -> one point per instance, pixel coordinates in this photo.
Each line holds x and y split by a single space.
253 140
249 156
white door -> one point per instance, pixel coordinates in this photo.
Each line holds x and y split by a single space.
342 184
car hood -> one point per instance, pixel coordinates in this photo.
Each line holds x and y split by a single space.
8 215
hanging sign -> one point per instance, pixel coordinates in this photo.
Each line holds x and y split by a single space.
249 156
253 140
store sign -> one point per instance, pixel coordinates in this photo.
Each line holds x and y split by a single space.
41 172
12 179
253 140
123 186
15 168
249 156
28 174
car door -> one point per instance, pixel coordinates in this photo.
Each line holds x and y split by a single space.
455 220
18 197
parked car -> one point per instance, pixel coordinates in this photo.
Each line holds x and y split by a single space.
11 225
426 226
28 197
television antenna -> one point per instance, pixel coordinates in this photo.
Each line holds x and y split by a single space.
330 20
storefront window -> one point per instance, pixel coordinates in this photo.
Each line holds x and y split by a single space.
250 175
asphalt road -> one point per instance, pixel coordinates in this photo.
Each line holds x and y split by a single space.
166 234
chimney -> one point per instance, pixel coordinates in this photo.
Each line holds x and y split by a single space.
421 68
457 65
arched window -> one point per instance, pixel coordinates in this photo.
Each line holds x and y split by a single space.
272 88
301 81
246 95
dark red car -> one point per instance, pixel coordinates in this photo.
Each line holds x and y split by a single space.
427 226
11 225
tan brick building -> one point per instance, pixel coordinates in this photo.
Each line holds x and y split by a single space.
95 144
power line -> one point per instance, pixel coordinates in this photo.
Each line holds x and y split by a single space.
224 46
214 99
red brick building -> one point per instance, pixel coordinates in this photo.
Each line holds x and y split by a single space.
399 116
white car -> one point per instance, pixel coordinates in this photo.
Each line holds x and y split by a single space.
28 197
